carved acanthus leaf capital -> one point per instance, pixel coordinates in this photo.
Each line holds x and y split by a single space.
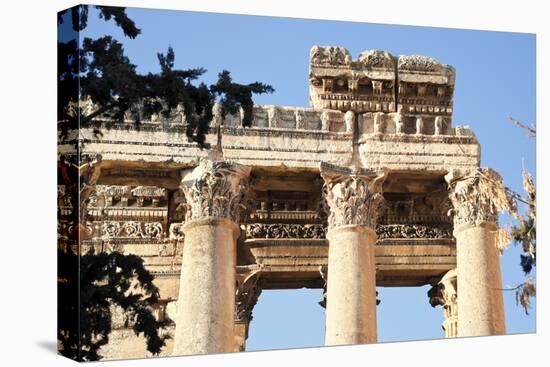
246 296
215 189
477 196
444 292
353 197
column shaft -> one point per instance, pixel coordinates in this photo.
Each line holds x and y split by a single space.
351 286
354 198
206 305
477 197
241 334
480 303
214 199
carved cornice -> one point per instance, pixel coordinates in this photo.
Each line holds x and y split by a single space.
376 59
353 197
418 63
477 196
329 55
215 189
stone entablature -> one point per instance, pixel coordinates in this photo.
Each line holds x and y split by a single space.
257 146
380 82
306 119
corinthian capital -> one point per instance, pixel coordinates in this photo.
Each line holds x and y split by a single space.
477 196
215 189
353 197
444 293
246 296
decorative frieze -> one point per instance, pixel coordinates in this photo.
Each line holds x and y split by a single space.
215 189
280 231
175 232
132 229
353 197
413 231
477 196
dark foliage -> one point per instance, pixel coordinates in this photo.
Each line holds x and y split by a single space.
87 286
175 87
67 81
525 231
233 95
79 18
110 80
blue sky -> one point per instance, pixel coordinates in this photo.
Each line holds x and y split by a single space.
495 80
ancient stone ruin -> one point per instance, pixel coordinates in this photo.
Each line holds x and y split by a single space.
370 186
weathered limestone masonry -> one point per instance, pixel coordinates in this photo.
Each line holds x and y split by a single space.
352 193
354 199
213 191
480 306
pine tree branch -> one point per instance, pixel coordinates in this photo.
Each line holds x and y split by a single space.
87 119
531 131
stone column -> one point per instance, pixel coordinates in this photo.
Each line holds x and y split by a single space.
246 296
354 199
477 197
444 294
213 192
